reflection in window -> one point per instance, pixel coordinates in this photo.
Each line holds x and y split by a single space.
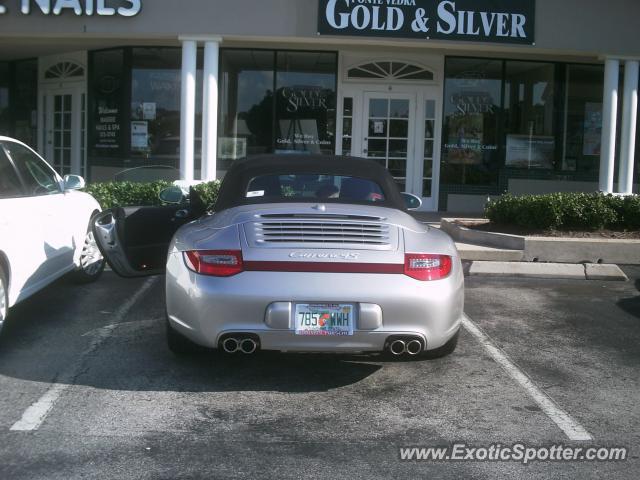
155 107
473 95
584 119
19 100
530 115
246 104
25 104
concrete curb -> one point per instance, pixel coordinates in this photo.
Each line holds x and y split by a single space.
488 254
548 249
560 271
467 235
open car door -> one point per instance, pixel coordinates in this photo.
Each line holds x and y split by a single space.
135 240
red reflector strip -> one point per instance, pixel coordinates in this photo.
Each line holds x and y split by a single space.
324 267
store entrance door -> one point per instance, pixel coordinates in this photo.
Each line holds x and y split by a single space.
64 118
388 136
399 129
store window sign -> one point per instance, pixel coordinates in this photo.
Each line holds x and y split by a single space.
299 125
501 21
298 98
123 8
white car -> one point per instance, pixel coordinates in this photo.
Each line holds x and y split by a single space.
44 226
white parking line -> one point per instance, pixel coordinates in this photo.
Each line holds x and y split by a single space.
35 415
572 429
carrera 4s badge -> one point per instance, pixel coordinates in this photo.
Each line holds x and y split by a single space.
325 256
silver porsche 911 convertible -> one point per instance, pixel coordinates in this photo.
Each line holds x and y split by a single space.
299 254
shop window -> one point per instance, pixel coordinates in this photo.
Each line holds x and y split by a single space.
245 125
390 71
108 110
472 107
19 100
276 101
155 109
305 102
25 104
134 113
584 119
544 125
529 110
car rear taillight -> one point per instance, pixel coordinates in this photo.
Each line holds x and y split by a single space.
427 267
216 263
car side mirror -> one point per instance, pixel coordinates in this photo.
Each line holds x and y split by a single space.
411 201
172 195
74 182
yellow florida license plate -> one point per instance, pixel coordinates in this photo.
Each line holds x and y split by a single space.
324 319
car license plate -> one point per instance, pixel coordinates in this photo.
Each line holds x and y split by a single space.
324 319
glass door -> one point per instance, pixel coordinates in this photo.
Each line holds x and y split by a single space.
389 133
64 113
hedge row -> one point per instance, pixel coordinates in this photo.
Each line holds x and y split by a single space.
566 211
123 194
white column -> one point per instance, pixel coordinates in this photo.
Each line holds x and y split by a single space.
629 123
210 110
609 125
188 109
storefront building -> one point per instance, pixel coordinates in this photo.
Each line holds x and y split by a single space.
461 99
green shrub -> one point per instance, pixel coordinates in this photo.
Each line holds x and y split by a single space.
628 209
566 211
209 191
123 194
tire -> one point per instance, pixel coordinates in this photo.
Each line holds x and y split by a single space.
92 262
445 350
178 343
4 297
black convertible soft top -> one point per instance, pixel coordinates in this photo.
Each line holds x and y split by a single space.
234 186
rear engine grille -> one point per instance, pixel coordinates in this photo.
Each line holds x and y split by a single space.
322 234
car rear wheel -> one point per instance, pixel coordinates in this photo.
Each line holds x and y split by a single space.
178 343
92 262
4 297
447 349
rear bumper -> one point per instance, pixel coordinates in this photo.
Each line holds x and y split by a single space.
206 308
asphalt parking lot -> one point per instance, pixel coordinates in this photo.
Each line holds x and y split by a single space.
89 390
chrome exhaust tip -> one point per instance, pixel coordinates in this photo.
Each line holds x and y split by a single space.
414 347
398 347
248 346
230 345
